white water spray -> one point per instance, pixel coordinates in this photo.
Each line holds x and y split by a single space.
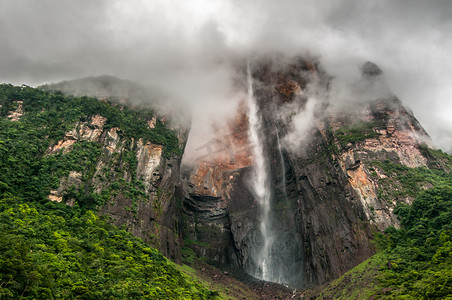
261 186
283 166
274 252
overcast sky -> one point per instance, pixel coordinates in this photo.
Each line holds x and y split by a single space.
187 46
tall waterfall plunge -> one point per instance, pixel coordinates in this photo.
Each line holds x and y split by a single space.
261 188
276 250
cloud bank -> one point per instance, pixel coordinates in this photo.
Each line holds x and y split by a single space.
190 48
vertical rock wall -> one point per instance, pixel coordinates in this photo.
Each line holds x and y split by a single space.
325 203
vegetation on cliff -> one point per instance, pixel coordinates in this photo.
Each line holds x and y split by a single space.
49 250
402 182
356 133
414 261
420 253
26 170
51 113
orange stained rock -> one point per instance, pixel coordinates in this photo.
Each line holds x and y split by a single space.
152 122
154 150
55 196
62 144
358 178
288 88
213 172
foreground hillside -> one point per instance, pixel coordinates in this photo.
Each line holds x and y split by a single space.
50 250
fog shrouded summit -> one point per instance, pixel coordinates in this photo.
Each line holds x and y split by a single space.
190 50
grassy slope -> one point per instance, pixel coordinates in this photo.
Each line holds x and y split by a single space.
359 283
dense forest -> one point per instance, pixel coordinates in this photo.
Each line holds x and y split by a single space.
49 250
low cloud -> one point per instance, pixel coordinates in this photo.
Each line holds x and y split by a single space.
190 50
302 124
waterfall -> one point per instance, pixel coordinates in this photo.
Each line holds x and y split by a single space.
261 188
283 165
275 248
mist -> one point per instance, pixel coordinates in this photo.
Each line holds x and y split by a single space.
190 50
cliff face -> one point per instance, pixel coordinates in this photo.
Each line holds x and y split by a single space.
138 182
216 190
396 136
326 191
327 178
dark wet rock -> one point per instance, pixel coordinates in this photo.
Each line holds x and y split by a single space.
370 69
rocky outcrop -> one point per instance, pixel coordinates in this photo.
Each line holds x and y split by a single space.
138 182
149 158
153 216
74 179
83 131
16 114
396 136
370 69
